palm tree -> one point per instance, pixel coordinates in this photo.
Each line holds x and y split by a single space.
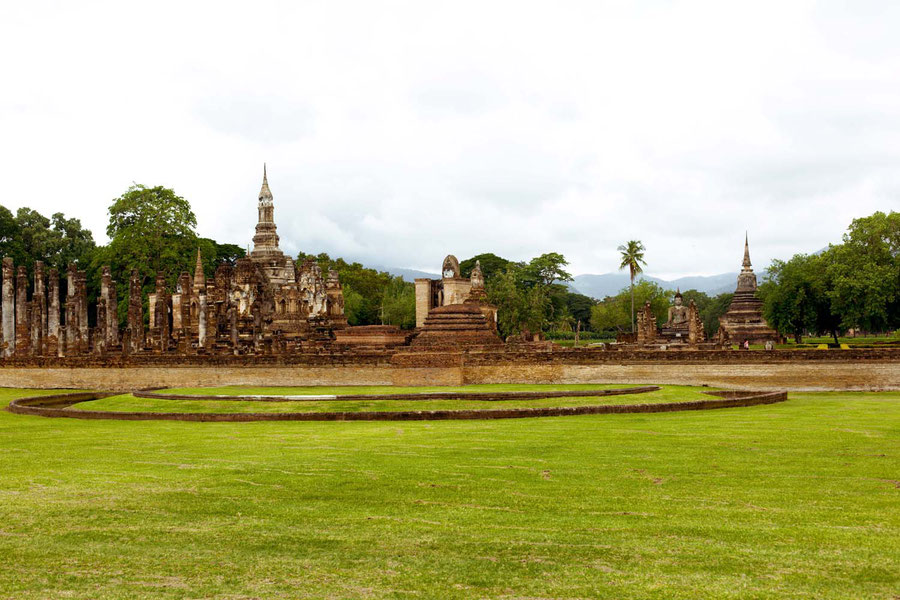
633 258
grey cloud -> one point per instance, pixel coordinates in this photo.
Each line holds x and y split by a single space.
572 130
463 92
259 119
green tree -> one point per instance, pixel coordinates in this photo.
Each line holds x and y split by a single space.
368 284
632 254
609 315
710 314
579 306
612 314
548 269
353 302
529 295
544 274
519 307
10 238
227 253
795 296
864 273
37 238
399 304
151 229
700 299
30 237
74 243
491 265
709 308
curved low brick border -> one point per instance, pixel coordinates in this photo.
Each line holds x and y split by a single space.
481 396
57 406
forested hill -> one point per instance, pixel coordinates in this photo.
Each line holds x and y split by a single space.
609 284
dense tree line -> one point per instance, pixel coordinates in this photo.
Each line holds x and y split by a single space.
531 296
852 285
29 236
612 315
150 229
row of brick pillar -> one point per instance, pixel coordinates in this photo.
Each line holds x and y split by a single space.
29 328
33 327
171 319
185 321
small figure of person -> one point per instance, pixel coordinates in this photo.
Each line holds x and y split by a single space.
746 344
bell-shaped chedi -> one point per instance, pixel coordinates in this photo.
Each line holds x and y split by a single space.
744 320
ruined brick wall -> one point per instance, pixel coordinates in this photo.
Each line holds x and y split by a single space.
812 370
133 378
809 370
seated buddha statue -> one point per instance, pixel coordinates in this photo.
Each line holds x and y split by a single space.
678 313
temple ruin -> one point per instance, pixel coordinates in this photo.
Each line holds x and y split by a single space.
266 305
454 310
682 327
453 289
262 305
744 321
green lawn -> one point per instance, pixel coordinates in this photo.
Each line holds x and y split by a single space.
127 402
791 500
239 390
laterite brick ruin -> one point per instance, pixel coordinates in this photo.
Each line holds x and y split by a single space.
268 320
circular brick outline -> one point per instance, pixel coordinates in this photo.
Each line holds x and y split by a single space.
58 406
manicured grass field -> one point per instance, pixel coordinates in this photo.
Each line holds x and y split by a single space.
791 500
127 402
238 390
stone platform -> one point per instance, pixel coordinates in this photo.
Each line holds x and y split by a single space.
858 369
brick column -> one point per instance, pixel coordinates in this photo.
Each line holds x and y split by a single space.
71 345
53 345
23 325
112 314
160 330
39 312
9 310
135 313
81 298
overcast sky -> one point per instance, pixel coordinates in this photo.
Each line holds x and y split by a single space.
396 133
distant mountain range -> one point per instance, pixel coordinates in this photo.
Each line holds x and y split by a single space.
409 275
609 284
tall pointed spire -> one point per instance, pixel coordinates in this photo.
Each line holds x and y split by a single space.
265 195
746 263
199 276
265 242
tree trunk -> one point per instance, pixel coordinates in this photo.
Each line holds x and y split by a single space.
798 338
632 303
834 334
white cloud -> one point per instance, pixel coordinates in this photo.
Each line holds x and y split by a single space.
398 132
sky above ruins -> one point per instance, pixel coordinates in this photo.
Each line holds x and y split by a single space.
396 133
